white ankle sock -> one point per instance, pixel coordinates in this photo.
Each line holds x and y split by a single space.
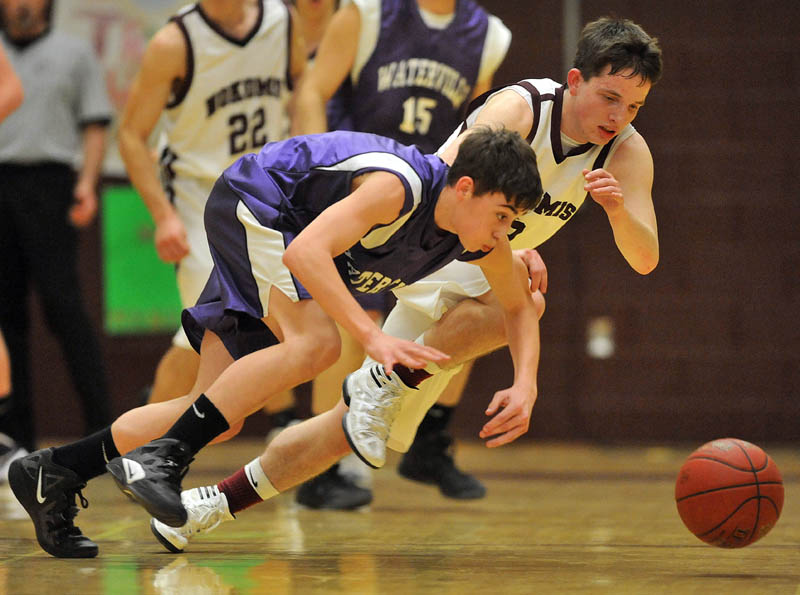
258 479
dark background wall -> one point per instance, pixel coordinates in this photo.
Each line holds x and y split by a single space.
709 343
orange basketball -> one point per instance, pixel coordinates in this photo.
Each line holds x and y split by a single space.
729 493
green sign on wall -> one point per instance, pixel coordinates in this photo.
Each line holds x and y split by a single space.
140 291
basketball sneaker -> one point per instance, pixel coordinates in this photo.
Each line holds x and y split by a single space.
151 476
332 490
374 399
430 460
206 508
47 492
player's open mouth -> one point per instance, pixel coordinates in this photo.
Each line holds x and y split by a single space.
607 131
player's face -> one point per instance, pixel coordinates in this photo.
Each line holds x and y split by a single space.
485 220
603 105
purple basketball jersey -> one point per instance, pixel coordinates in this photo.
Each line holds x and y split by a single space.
416 82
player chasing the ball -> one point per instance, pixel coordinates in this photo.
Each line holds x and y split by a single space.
294 232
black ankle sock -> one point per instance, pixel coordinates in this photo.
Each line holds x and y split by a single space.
435 420
199 424
88 456
410 377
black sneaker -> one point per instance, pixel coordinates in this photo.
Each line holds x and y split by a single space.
47 492
151 476
332 491
429 460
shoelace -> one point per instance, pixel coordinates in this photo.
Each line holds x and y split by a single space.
62 524
382 414
175 464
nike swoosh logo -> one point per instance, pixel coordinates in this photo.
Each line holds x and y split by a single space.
197 413
39 497
105 456
251 478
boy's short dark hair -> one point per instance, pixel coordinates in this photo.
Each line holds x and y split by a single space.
620 43
499 160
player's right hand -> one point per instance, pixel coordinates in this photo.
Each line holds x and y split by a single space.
170 239
390 351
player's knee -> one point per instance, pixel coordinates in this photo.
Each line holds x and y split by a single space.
324 350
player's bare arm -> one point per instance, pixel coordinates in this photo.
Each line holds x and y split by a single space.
507 109
334 60
624 190
378 200
298 60
511 408
163 66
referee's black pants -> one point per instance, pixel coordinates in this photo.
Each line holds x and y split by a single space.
38 249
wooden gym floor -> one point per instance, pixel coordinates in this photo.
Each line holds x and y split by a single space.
558 519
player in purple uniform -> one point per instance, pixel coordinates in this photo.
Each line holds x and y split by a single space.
406 70
294 232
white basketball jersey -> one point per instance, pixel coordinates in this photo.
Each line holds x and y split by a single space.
234 98
561 171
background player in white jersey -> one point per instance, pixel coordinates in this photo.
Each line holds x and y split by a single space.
219 75
581 132
405 69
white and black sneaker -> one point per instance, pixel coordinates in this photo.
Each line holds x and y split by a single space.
374 400
206 508
151 476
47 492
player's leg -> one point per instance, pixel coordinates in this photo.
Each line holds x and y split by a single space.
177 370
430 458
175 374
470 329
298 453
345 485
309 344
47 482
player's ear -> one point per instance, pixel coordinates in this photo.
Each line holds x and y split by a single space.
465 186
574 79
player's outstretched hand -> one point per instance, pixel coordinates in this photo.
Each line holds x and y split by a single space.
511 410
170 239
390 350
604 189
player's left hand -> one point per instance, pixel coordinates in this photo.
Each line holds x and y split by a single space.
604 189
511 409
84 207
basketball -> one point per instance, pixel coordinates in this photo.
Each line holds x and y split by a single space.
729 493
